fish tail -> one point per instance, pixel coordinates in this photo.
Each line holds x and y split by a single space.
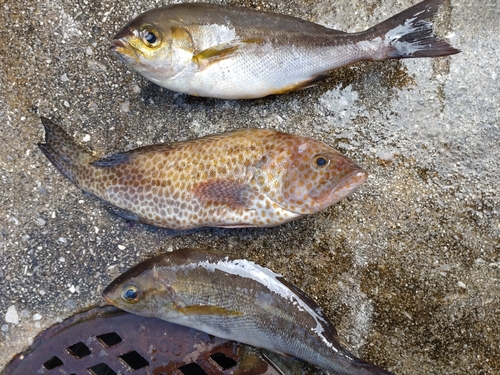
67 156
409 34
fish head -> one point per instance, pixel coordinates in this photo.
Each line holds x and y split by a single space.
144 289
154 47
311 177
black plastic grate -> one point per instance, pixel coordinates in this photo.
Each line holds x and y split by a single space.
192 369
79 350
134 360
109 339
53 362
223 360
101 369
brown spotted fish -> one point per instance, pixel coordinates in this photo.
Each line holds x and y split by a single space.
238 300
242 178
229 52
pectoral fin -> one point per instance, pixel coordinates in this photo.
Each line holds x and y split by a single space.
231 193
207 310
220 52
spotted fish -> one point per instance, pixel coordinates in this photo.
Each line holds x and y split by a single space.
238 300
232 52
242 178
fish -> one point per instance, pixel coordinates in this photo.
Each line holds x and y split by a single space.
234 299
230 52
241 178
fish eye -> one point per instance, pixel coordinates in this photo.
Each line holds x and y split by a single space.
321 161
130 294
150 38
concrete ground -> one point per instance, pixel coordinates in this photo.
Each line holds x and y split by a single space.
408 268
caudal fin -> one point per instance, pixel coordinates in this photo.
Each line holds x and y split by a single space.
67 156
409 34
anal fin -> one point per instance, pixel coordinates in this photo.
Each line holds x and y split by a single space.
300 85
134 218
123 213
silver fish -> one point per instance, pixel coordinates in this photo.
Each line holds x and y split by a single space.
239 53
238 300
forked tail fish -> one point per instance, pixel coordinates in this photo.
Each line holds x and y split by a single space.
238 300
242 178
232 52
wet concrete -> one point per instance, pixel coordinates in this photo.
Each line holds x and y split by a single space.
408 268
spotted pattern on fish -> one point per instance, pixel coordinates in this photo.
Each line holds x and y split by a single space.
243 178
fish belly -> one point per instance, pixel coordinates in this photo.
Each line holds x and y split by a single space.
187 212
261 71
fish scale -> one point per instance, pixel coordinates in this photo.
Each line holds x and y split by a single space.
242 178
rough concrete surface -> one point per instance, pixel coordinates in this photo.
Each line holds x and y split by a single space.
408 268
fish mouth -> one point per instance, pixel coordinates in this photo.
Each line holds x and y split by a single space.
347 186
122 50
105 294
119 46
108 300
119 42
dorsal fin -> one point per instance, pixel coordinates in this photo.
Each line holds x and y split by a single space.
112 160
330 332
129 156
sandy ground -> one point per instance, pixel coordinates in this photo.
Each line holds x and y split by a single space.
408 268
